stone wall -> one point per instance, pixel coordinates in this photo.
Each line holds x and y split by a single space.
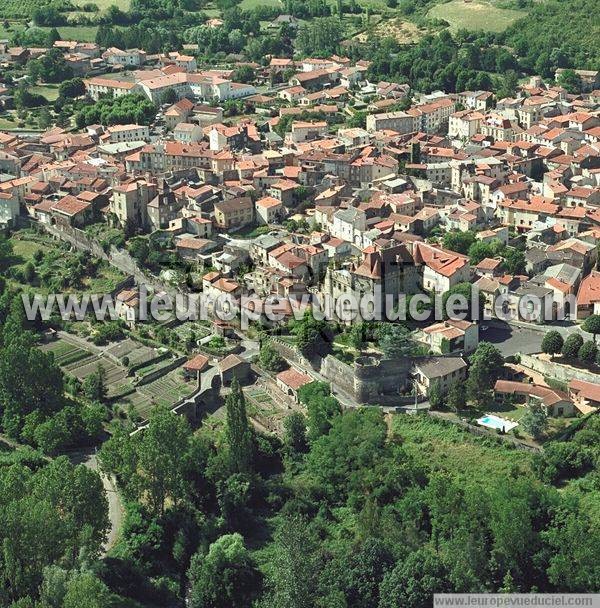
381 381
374 381
160 372
340 374
554 369
290 353
119 258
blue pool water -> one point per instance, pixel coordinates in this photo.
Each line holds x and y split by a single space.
495 422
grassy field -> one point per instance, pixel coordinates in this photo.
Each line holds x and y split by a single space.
104 4
403 31
49 91
475 15
82 33
26 243
24 249
444 446
249 4
7 123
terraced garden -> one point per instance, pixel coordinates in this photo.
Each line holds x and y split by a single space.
137 353
80 363
165 391
66 354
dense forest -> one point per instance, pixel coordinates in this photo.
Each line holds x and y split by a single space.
348 510
557 33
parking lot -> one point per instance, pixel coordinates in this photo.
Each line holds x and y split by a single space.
511 340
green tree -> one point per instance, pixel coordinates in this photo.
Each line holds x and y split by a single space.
295 439
435 396
535 421
322 408
357 335
412 583
51 435
169 96
119 457
270 359
467 292
571 347
29 381
486 365
514 260
588 352
50 67
239 433
508 85
6 249
162 459
552 343
225 577
320 36
592 325
294 575
358 120
29 272
346 462
456 399
44 118
574 542
312 336
481 250
394 340
458 241
52 512
71 88
244 74
94 386
571 81
85 590
24 99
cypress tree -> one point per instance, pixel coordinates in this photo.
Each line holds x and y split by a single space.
239 433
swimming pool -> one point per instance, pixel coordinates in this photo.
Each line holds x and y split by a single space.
495 422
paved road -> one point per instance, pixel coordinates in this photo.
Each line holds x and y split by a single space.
250 348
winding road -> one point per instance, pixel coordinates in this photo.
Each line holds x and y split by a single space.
115 506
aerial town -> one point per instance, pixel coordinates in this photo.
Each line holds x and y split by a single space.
224 446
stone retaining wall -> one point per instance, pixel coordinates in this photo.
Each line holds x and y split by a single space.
556 370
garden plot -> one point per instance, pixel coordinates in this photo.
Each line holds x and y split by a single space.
79 362
137 353
169 389
269 413
184 331
165 391
117 381
67 354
